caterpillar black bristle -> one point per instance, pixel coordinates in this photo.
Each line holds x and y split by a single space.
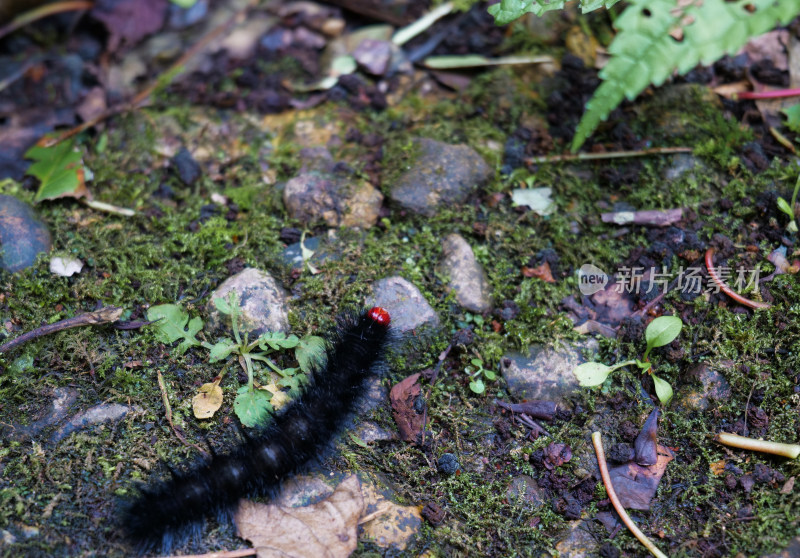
167 513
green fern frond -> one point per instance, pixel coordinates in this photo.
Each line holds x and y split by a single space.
506 11
658 37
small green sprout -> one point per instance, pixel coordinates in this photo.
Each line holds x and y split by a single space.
788 209
252 404
659 332
477 374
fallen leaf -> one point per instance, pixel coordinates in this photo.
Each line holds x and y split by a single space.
388 523
541 272
717 467
788 486
645 446
556 454
129 21
538 199
208 400
403 397
636 485
326 529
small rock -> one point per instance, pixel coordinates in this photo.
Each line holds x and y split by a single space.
99 414
293 254
263 303
373 55
714 387
525 487
405 303
63 399
546 373
187 168
467 277
441 175
23 236
448 464
579 542
791 551
337 200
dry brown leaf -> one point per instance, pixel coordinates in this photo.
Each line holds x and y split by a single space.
636 485
717 467
326 529
541 272
387 523
208 400
403 397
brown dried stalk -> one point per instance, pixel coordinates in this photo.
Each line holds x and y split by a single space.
601 462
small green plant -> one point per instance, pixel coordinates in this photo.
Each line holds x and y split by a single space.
477 374
657 38
659 332
788 209
253 403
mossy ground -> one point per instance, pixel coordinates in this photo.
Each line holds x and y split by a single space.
167 254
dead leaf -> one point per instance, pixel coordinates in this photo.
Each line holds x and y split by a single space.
717 467
208 400
646 452
541 272
636 485
388 523
556 454
129 21
788 486
326 529
403 397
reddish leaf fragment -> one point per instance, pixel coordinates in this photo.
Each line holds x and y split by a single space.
409 420
129 21
636 485
540 272
556 454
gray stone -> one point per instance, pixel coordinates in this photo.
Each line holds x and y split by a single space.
406 305
579 542
263 303
525 488
373 55
467 278
441 175
23 236
337 200
63 399
546 372
99 414
714 387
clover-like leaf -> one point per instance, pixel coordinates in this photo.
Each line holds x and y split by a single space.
591 373
663 389
252 406
477 386
171 325
662 330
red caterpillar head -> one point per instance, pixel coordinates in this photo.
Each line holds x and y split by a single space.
379 315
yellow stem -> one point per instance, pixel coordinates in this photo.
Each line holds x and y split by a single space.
734 440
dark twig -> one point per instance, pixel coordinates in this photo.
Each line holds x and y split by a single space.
102 316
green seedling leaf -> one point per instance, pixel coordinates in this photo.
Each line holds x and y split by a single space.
663 389
477 386
783 205
662 330
221 350
59 168
171 325
291 382
251 406
477 362
793 117
310 352
223 305
592 373
185 4
490 375
277 340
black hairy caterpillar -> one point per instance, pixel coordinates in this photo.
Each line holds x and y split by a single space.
167 513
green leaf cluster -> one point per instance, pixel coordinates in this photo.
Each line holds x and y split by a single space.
477 372
661 331
252 405
507 11
659 37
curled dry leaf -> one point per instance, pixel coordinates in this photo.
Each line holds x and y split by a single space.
326 529
208 400
646 444
540 272
636 485
403 396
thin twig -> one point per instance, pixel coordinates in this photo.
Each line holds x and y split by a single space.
601 462
42 12
774 94
726 289
608 155
102 316
161 81
239 552
168 408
